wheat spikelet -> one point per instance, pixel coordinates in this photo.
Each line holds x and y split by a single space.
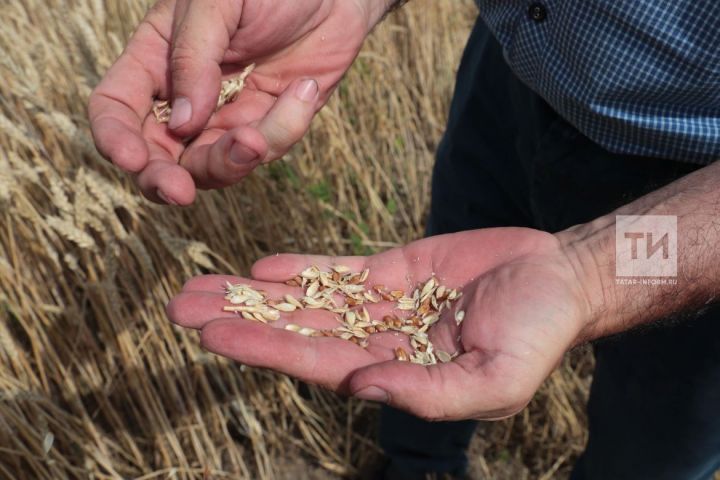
90 41
81 202
59 121
11 132
68 230
21 169
59 198
110 195
198 253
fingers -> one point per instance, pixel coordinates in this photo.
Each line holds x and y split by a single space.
166 182
120 103
324 361
448 391
232 156
289 118
228 159
163 180
200 39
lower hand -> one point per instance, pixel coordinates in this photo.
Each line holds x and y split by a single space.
524 308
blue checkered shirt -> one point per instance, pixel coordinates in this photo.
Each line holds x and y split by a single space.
636 76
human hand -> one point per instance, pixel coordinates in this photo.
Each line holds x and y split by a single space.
184 48
524 308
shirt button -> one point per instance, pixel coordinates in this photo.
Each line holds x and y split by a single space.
537 12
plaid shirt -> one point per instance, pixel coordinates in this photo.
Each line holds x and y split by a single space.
636 76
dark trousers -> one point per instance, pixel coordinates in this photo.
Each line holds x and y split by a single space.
507 159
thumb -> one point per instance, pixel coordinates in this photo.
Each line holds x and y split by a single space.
446 391
200 39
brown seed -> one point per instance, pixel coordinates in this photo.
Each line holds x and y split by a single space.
397 294
401 354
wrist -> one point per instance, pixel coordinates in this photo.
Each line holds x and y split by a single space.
589 249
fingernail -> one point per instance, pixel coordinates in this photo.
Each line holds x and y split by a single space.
181 113
242 155
165 198
374 394
307 90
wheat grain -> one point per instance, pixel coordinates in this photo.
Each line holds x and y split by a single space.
229 91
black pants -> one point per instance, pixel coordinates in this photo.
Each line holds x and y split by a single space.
507 159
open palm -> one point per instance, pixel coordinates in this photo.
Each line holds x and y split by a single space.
182 51
523 310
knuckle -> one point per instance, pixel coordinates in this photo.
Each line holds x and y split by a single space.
284 134
183 58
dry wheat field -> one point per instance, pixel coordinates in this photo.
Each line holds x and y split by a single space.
95 382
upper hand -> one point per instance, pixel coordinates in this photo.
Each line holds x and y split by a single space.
524 308
184 48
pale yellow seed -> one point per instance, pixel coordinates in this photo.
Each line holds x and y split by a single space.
312 289
444 357
285 307
293 301
310 273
